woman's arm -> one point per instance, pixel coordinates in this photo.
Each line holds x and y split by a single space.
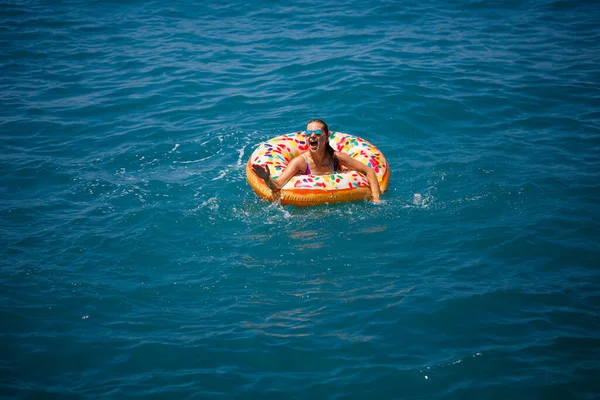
350 163
295 166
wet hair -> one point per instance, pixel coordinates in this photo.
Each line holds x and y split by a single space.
320 121
328 148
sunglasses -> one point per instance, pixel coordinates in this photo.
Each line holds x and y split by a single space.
317 132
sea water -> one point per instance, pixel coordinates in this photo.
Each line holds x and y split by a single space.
138 263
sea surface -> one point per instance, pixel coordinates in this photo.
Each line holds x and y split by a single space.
137 263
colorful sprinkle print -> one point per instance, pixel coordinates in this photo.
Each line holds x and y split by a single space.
279 151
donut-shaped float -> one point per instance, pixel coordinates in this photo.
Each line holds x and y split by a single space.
309 190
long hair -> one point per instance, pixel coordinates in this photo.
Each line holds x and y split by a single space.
328 148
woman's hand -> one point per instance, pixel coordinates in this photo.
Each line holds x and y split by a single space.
265 174
262 172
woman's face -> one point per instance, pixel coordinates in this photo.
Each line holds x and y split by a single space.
316 142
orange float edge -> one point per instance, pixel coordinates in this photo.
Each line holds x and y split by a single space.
308 197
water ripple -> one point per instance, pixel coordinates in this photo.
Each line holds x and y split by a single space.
137 261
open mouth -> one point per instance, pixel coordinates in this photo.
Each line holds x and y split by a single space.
313 143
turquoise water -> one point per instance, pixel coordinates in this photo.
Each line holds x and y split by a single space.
138 263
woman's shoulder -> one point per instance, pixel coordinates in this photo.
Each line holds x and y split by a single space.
340 155
301 159
304 156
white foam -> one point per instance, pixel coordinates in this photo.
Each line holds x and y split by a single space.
221 176
241 152
417 199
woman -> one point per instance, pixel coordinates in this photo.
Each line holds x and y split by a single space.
319 159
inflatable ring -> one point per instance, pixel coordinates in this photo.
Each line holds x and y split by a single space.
308 190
